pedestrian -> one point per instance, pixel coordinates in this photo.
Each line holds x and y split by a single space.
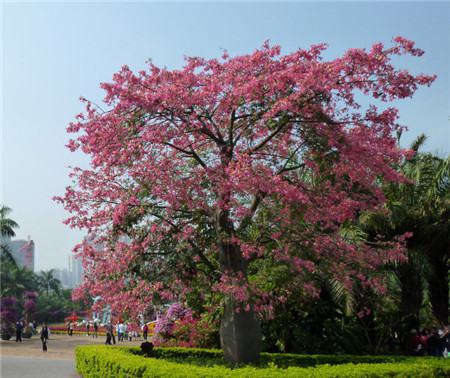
70 328
118 331
145 331
19 330
434 343
34 327
44 337
88 326
95 334
108 336
124 332
129 332
111 327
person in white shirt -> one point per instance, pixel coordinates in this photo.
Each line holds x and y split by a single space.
120 331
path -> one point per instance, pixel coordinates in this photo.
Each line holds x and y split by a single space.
26 367
26 359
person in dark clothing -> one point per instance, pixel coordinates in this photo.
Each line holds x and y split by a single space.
108 338
19 329
110 329
434 343
44 337
145 331
95 329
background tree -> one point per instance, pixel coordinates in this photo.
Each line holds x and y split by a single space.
7 226
48 282
185 161
421 206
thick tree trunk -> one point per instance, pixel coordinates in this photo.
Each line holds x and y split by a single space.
240 335
240 331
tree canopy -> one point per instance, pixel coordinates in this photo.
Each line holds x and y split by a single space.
199 174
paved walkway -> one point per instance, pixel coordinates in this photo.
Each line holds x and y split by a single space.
26 359
26 367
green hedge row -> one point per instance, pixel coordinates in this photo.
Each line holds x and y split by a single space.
215 356
119 362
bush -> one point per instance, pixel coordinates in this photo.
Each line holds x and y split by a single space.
115 362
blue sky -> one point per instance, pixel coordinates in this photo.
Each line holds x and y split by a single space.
55 52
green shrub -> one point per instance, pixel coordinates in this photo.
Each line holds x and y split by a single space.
215 356
120 362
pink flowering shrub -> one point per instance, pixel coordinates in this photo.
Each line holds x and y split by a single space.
196 333
166 323
179 327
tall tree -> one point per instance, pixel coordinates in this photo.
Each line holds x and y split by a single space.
184 161
49 281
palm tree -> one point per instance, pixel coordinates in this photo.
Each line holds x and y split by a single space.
7 225
422 207
49 282
16 280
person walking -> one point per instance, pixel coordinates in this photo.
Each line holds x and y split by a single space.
120 331
111 327
19 329
88 326
70 328
145 331
44 337
95 334
108 335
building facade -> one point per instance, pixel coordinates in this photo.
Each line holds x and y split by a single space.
22 251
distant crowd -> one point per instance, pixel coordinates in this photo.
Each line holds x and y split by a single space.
124 331
430 342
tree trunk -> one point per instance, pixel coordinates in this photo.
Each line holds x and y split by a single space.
240 331
240 335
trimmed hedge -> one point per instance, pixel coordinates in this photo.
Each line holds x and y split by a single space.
280 359
95 361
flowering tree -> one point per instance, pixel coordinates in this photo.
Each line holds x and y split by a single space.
8 316
30 298
184 162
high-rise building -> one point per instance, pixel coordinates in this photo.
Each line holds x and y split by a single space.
22 251
64 276
75 270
